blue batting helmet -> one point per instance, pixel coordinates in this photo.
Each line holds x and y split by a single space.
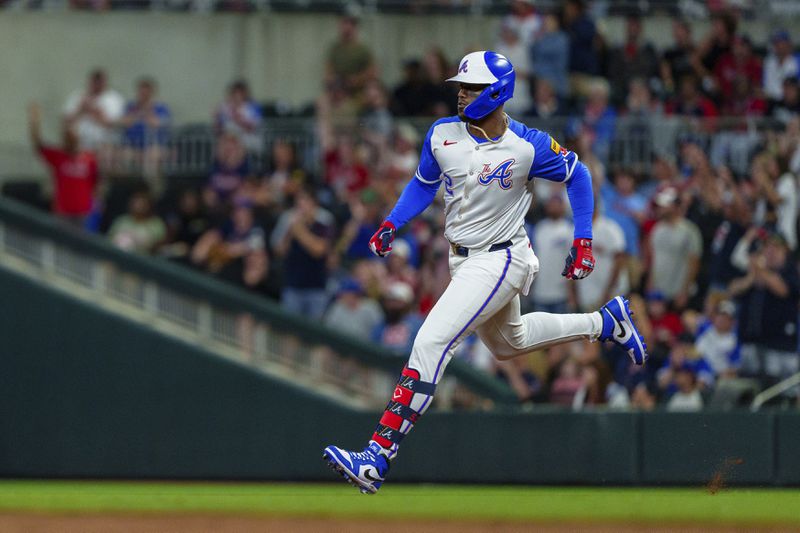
486 68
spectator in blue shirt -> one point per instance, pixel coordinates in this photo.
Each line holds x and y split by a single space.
146 122
549 55
626 207
717 342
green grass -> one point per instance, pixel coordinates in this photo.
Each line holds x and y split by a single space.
546 504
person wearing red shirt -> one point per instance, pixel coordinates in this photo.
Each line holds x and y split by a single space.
74 172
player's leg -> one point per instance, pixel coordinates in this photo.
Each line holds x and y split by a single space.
480 287
509 334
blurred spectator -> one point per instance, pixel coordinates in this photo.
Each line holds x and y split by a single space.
626 207
549 55
665 323
146 122
444 96
635 58
398 264
94 111
553 233
714 46
609 276
690 101
767 299
733 67
777 191
74 172
349 63
599 118
675 246
687 397
583 57
524 21
781 63
139 230
511 45
717 342
274 191
400 325
186 222
236 250
545 101
365 216
415 93
302 239
677 61
736 217
229 170
788 107
376 120
399 161
240 116
643 398
352 312
567 383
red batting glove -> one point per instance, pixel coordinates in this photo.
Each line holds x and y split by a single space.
580 261
381 242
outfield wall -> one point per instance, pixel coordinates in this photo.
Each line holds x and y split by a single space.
87 394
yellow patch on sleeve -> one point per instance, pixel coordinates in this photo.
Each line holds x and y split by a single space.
554 146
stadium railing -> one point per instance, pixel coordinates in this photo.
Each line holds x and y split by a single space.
221 317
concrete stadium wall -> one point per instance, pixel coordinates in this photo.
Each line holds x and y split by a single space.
88 394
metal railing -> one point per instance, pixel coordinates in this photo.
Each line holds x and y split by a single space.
215 316
775 391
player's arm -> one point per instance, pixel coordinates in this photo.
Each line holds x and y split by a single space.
554 163
415 198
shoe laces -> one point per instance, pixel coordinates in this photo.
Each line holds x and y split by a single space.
366 455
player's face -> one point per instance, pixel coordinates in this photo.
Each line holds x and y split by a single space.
467 93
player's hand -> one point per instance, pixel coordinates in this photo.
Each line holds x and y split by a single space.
580 261
381 242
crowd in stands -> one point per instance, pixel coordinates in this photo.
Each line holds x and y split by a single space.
706 249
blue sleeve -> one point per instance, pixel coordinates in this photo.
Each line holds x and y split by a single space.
416 197
581 199
550 160
428 170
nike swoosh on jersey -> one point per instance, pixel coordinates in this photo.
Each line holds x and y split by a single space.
448 143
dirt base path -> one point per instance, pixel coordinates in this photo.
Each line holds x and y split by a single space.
33 523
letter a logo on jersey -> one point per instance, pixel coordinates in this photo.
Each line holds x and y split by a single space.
502 173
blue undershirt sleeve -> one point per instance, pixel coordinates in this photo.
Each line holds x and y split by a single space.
416 197
581 199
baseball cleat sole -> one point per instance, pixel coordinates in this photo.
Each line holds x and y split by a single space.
348 476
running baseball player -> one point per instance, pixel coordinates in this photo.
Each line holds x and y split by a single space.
486 162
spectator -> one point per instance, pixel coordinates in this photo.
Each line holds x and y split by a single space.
146 122
736 216
511 45
717 342
139 230
627 208
74 172
687 397
714 46
788 107
677 61
240 116
415 94
236 250
777 204
302 239
690 101
678 378
365 213
349 64
767 299
94 111
733 67
545 102
635 58
352 312
376 120
399 161
444 96
675 247
524 21
283 178
642 398
549 56
549 292
584 61
568 382
186 223
665 323
781 63
228 172
400 325
599 118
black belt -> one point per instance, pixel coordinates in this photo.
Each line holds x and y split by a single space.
464 251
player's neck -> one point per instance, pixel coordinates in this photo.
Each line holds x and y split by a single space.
490 127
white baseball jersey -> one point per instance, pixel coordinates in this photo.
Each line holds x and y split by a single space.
488 186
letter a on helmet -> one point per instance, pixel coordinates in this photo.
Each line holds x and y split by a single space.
486 68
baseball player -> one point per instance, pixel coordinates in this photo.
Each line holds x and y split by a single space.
485 161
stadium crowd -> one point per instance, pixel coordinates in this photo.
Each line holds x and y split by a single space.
702 232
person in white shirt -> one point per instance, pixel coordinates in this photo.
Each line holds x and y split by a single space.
94 111
781 63
550 236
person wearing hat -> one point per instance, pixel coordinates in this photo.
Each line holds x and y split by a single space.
352 312
400 326
781 63
675 248
717 342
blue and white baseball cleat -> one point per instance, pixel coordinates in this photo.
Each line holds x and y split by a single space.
618 326
365 470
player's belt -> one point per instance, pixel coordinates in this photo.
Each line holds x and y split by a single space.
463 251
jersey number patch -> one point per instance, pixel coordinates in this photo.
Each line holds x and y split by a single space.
502 173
